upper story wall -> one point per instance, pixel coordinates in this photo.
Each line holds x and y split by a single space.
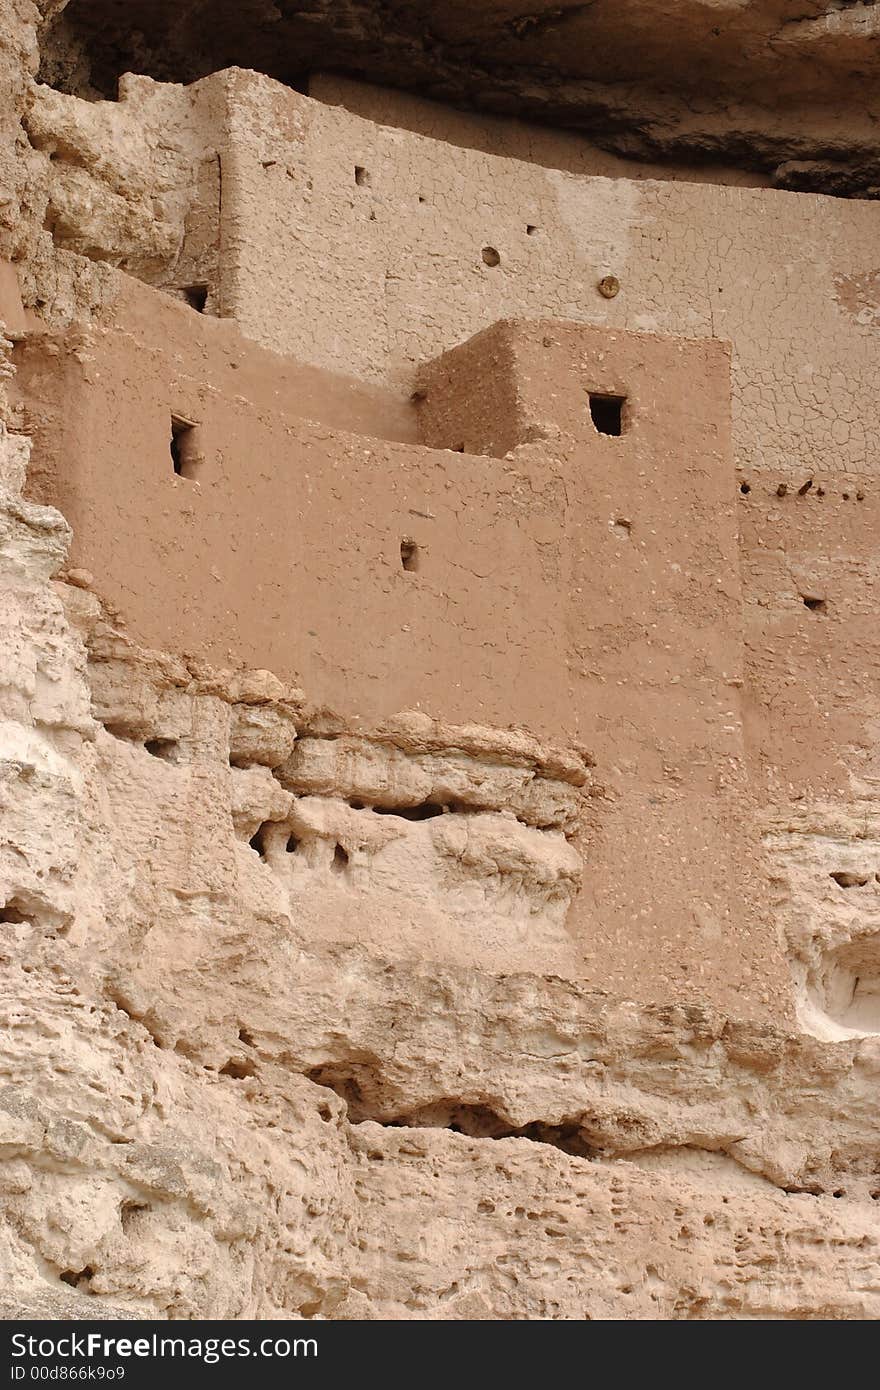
369 250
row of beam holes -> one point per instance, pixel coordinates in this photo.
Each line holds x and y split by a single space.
811 601
805 488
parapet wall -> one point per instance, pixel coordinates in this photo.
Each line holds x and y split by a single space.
512 137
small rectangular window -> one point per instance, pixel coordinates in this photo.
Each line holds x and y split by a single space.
606 412
409 555
196 297
186 451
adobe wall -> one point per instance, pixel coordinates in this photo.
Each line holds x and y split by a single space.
569 588
359 248
299 525
787 279
810 585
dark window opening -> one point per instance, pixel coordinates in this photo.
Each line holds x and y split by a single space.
491 256
292 844
606 413
426 811
362 176
815 605
531 229
409 555
745 489
196 297
77 1277
186 454
340 860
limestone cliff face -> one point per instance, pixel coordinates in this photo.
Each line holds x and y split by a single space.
310 1009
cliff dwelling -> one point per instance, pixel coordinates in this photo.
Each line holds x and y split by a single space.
440 854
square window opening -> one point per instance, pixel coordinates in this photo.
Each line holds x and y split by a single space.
196 296
606 412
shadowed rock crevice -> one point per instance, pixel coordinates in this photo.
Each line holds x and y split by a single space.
473 1120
